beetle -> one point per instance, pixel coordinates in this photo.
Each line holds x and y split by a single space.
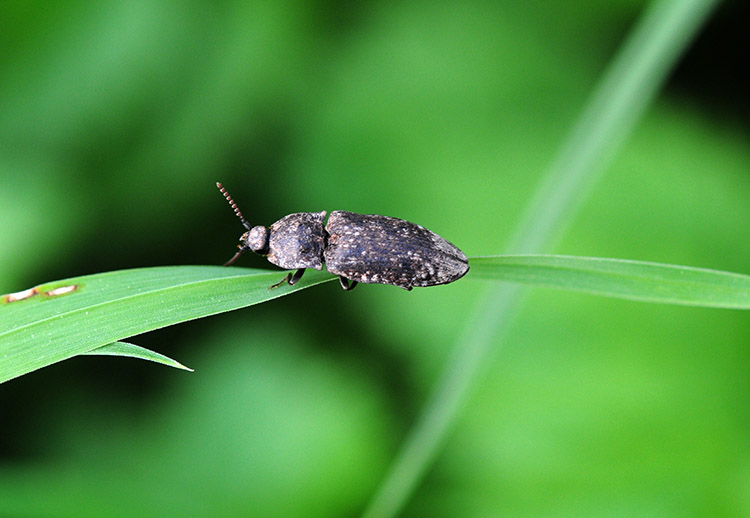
366 248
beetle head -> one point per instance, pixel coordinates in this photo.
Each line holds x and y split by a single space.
256 239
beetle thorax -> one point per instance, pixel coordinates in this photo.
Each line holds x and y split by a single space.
256 239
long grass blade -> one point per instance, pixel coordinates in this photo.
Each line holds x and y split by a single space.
59 320
635 280
627 87
128 350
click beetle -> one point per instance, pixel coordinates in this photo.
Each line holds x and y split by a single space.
366 248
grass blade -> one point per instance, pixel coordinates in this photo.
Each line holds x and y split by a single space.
635 280
56 321
129 350
621 97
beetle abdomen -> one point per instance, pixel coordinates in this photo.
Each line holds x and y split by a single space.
370 248
297 241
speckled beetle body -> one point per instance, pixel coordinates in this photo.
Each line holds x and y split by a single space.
366 248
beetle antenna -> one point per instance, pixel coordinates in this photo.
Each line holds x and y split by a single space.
236 256
234 206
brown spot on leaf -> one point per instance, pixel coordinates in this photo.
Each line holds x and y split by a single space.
21 295
62 290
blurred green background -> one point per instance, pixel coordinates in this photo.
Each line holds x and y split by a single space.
116 119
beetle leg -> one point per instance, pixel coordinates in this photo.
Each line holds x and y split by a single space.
297 276
290 279
345 283
286 279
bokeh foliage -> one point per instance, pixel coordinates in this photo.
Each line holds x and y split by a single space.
117 118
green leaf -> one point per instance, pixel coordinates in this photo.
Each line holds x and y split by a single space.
637 280
87 314
59 320
136 351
